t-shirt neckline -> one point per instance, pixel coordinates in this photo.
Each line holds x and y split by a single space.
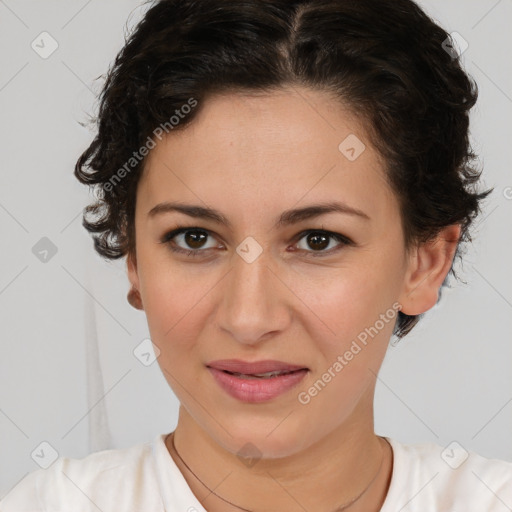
177 495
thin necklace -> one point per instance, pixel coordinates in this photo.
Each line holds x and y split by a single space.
339 509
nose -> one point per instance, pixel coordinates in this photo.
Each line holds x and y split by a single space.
255 303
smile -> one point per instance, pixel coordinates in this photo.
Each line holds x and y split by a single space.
255 382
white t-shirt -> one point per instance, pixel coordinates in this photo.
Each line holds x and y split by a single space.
144 478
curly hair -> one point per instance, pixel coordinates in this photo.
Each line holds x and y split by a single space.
385 59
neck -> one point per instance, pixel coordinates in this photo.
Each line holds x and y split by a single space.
322 477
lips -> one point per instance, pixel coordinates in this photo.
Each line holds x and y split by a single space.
255 369
258 381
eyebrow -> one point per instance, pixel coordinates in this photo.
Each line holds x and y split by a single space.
288 217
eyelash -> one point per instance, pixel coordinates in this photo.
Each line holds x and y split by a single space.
168 239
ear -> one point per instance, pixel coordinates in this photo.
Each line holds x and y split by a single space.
133 296
427 268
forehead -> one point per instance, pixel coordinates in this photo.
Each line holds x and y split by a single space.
265 152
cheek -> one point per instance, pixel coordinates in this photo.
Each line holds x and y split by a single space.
357 319
347 301
174 300
360 317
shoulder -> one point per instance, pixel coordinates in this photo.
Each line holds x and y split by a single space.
98 481
451 478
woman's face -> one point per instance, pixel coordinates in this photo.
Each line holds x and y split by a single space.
269 284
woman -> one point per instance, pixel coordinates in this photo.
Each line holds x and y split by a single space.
290 182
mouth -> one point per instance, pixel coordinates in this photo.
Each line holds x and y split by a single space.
258 381
265 375
267 366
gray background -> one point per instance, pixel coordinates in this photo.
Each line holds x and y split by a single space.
68 375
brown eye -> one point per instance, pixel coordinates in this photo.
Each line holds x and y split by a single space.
189 241
319 242
195 239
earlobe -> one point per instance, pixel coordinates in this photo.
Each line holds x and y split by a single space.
133 295
134 298
428 266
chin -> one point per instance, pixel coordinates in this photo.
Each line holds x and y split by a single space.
263 438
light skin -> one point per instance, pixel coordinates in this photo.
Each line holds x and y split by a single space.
251 157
